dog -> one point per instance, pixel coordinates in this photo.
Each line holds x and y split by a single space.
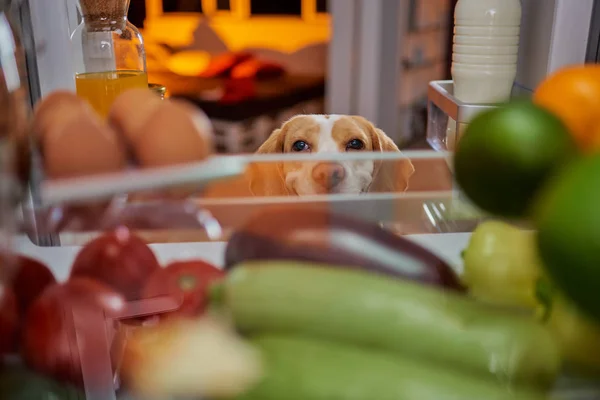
322 134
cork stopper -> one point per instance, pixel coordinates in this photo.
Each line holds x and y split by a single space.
103 9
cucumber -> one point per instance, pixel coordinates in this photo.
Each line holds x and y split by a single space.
401 316
307 369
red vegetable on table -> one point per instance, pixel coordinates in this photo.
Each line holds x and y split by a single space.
221 65
119 259
257 69
238 90
189 281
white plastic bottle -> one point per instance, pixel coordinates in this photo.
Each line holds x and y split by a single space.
486 45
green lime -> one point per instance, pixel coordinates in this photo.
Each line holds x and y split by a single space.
506 154
567 216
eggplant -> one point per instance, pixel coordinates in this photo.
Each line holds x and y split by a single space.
319 236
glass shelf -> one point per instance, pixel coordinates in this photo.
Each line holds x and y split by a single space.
409 193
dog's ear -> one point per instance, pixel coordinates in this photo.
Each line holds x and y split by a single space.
384 142
274 144
266 179
388 175
392 176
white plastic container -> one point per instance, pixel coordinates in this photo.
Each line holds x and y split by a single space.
487 40
479 84
495 13
487 30
475 67
485 50
486 46
475 59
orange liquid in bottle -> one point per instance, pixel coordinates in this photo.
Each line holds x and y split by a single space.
101 88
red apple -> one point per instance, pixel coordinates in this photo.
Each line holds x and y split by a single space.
29 279
9 319
186 280
51 344
119 259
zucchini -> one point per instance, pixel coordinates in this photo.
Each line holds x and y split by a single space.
306 369
401 316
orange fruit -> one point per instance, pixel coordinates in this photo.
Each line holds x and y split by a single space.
573 95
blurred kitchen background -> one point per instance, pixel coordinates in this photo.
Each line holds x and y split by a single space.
308 48
251 64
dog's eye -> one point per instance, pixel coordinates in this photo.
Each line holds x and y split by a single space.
355 144
300 146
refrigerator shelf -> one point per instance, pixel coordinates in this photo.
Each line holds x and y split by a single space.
206 201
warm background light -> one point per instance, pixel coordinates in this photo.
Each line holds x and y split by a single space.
238 29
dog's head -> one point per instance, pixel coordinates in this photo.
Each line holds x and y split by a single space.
330 134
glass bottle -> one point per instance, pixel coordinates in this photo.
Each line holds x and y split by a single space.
159 89
109 53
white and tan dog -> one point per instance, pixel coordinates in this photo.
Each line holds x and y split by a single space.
329 134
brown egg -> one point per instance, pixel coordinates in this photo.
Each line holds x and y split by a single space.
131 110
55 109
175 133
76 142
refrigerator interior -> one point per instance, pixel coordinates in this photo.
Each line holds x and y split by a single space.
430 212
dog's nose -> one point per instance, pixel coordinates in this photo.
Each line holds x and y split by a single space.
328 175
